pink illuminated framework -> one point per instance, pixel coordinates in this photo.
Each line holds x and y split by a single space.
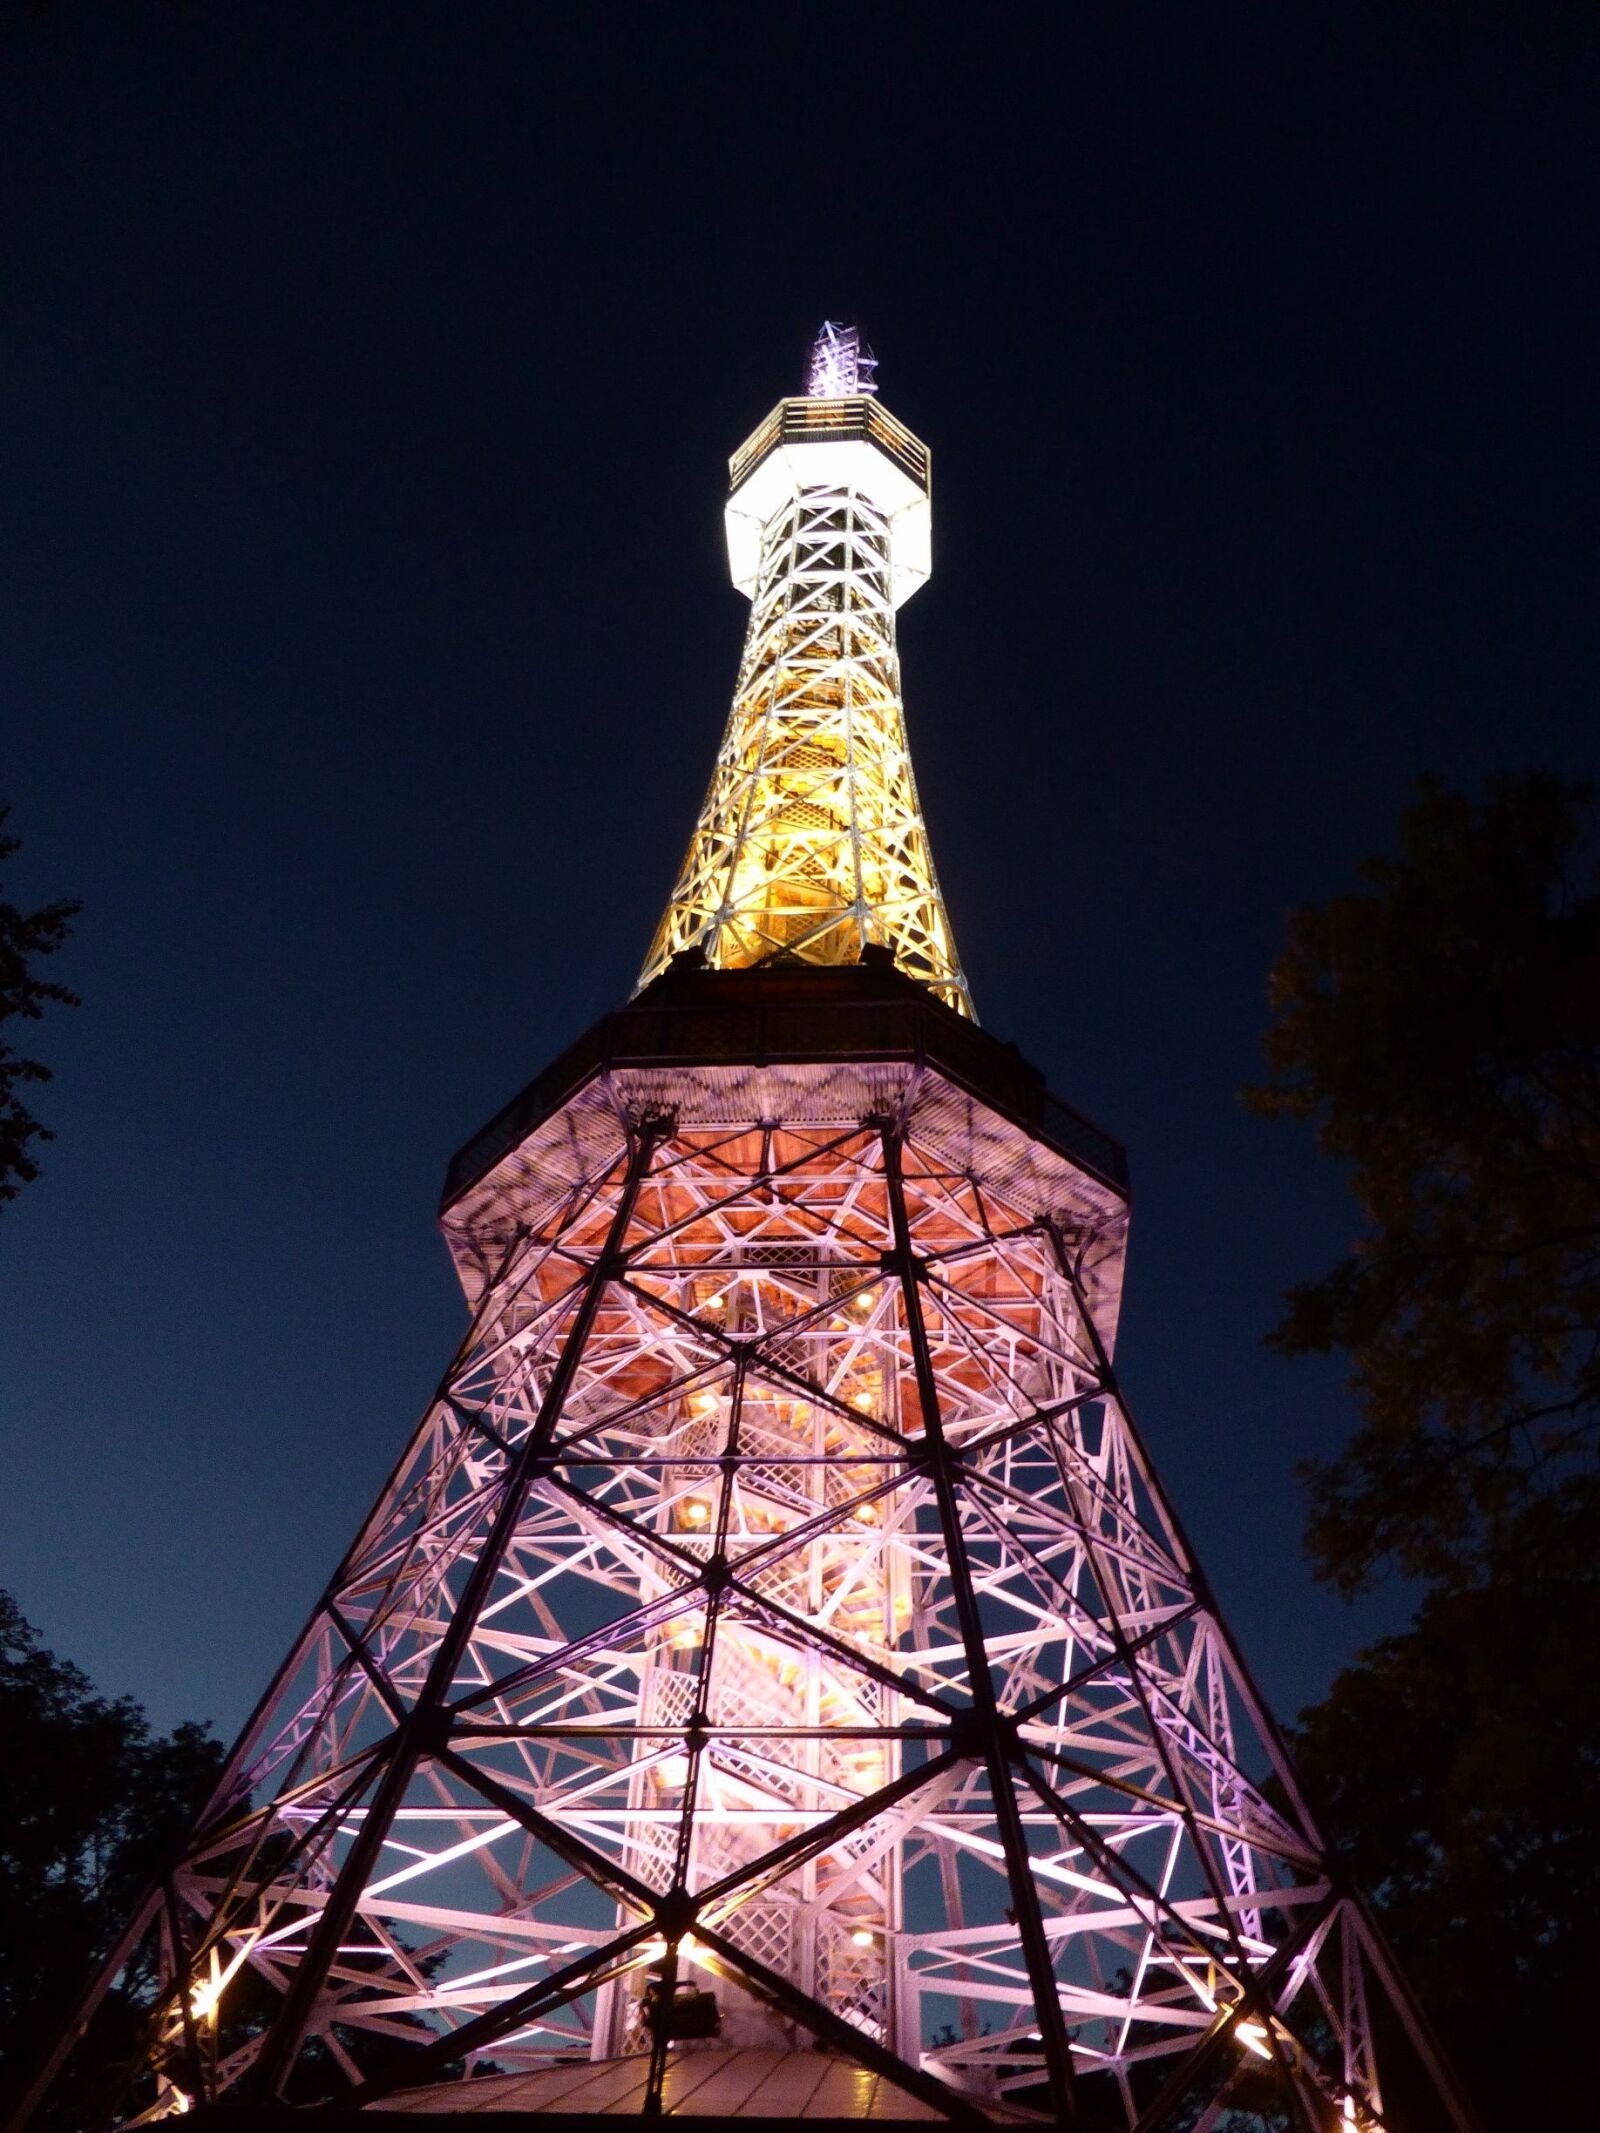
777 1605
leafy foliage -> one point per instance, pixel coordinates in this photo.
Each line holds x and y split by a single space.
1442 1030
25 936
1456 1766
91 1805
1440 1027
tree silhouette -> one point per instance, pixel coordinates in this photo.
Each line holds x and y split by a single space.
25 937
1440 1028
91 1804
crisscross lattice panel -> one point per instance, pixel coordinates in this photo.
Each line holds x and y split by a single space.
811 840
776 1599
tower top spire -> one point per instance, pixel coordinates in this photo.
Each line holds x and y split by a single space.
841 365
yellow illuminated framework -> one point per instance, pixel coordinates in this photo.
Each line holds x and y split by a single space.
811 841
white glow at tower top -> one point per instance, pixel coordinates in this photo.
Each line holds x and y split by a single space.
841 363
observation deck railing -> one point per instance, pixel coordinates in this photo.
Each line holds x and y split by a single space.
807 421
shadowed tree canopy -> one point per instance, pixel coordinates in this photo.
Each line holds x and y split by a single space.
1440 1027
91 1803
25 937
1457 1767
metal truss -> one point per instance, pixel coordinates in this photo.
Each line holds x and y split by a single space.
777 1596
776 1602
811 840
841 365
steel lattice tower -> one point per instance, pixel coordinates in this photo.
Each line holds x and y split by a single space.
773 1682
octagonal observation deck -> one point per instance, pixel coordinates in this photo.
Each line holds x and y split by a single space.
788 1042
852 443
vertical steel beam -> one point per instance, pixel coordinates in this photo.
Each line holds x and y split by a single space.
996 1741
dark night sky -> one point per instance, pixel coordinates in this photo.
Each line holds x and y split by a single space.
369 375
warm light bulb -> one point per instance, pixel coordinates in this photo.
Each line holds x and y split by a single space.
863 1401
1253 2037
673 1770
861 1938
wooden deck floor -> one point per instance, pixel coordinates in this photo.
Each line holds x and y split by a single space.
722 2082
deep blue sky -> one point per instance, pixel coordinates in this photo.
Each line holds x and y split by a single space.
369 374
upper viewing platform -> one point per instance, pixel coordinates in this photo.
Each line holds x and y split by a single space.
805 420
836 435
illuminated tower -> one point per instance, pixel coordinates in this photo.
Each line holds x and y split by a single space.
811 840
773 1683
